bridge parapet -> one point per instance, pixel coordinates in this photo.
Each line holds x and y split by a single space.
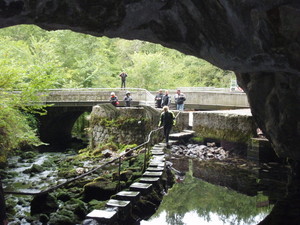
92 96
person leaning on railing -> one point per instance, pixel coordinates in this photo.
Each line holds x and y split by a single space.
167 120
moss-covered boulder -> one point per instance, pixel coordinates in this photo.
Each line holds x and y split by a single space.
124 175
45 203
100 190
35 168
72 212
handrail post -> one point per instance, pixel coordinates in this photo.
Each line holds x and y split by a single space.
119 174
145 158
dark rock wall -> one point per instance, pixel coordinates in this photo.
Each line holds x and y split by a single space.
258 39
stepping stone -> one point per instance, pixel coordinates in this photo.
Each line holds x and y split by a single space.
155 169
152 174
189 131
158 159
122 206
107 216
157 164
117 203
153 152
160 148
142 187
180 135
149 180
128 195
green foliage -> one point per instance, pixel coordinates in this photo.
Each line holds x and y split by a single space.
76 60
33 60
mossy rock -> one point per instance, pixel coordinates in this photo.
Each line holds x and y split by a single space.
58 219
44 218
67 173
45 203
28 155
63 196
35 168
95 204
144 208
77 207
100 190
124 175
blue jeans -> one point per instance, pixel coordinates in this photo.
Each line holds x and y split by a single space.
180 107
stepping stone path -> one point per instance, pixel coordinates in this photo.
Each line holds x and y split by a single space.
120 205
182 135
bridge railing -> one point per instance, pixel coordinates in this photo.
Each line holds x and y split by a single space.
143 96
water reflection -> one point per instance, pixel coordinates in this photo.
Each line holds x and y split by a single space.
198 202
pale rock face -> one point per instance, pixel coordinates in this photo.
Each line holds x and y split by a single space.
258 39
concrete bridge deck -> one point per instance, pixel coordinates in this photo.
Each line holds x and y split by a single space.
196 100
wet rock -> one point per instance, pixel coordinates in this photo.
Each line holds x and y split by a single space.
45 203
201 152
107 153
124 175
44 218
100 190
28 155
35 168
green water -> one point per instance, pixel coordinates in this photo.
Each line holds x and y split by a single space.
197 202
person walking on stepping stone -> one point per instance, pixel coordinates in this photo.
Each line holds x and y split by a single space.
167 120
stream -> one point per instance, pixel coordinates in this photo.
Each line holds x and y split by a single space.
194 201
233 199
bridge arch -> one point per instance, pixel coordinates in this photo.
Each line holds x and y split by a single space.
55 127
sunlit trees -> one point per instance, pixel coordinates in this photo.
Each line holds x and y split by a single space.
32 60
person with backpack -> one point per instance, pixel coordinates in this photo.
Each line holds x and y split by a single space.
123 76
114 99
166 99
127 99
179 100
167 120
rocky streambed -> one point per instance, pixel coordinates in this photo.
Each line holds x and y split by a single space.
201 152
32 172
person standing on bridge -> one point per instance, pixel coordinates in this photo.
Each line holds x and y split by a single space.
166 99
114 99
127 99
123 76
179 100
158 99
167 120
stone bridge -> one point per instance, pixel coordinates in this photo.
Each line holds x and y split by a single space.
200 99
68 104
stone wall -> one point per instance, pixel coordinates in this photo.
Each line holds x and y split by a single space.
225 125
122 125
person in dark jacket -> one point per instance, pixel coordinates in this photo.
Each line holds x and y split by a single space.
158 99
114 99
123 76
166 99
167 120
127 99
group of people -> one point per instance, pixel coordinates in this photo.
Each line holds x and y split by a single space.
162 100
115 101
